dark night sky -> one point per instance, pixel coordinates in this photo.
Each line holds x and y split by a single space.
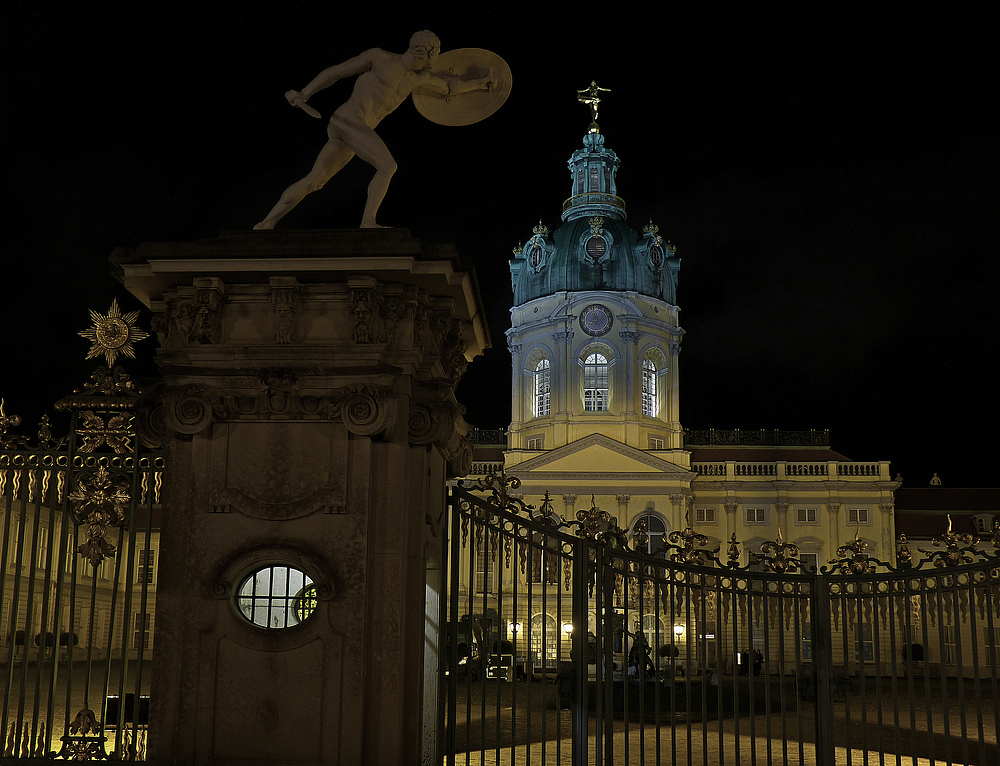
829 176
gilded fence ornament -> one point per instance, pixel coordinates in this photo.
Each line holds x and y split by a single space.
780 556
6 421
689 544
113 334
733 554
98 504
904 559
640 534
598 525
853 557
499 485
116 432
954 553
83 740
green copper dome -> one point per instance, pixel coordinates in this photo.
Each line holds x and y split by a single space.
594 249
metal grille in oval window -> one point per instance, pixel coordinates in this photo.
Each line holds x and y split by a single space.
596 247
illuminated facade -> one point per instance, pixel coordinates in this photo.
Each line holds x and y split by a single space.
595 343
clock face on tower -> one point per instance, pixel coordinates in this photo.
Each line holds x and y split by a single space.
596 319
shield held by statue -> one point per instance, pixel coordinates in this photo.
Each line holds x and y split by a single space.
466 108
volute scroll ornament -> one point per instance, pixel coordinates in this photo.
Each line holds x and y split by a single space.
460 462
186 412
363 415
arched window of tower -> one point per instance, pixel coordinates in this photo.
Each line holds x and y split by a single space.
649 399
654 365
541 388
596 376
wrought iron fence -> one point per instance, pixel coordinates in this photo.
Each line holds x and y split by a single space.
566 644
77 571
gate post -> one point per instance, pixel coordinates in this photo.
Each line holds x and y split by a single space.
580 645
311 422
822 641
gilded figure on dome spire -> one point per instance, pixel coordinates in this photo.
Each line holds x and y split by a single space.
591 96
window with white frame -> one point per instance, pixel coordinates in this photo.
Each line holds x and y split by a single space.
486 568
595 382
145 565
43 544
806 644
141 624
809 562
948 649
655 442
704 515
546 563
656 532
857 515
542 388
544 641
534 442
654 630
983 522
649 399
756 516
805 516
864 646
991 644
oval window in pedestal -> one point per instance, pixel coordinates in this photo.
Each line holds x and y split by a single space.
277 597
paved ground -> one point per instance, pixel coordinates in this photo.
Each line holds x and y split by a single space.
869 728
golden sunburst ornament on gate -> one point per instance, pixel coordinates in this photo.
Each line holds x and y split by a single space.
113 334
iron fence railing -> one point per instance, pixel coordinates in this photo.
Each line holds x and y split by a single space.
696 655
77 580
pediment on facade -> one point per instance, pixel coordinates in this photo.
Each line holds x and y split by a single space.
598 454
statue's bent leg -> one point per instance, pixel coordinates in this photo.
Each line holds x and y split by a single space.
330 161
369 147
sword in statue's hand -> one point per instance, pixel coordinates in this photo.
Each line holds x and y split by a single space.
296 100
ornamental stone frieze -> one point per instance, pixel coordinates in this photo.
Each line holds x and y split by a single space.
284 307
364 409
395 320
376 311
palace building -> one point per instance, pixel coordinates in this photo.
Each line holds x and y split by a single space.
595 341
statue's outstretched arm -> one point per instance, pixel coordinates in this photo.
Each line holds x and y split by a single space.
448 84
330 75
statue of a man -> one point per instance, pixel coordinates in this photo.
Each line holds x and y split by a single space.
384 80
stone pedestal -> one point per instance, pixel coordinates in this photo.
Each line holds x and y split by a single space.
310 422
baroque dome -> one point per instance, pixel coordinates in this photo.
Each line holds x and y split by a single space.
594 248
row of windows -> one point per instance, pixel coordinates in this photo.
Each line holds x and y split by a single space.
596 386
802 516
145 560
806 516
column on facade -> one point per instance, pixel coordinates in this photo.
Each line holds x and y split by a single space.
833 512
730 508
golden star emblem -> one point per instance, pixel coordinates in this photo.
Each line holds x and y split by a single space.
113 334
